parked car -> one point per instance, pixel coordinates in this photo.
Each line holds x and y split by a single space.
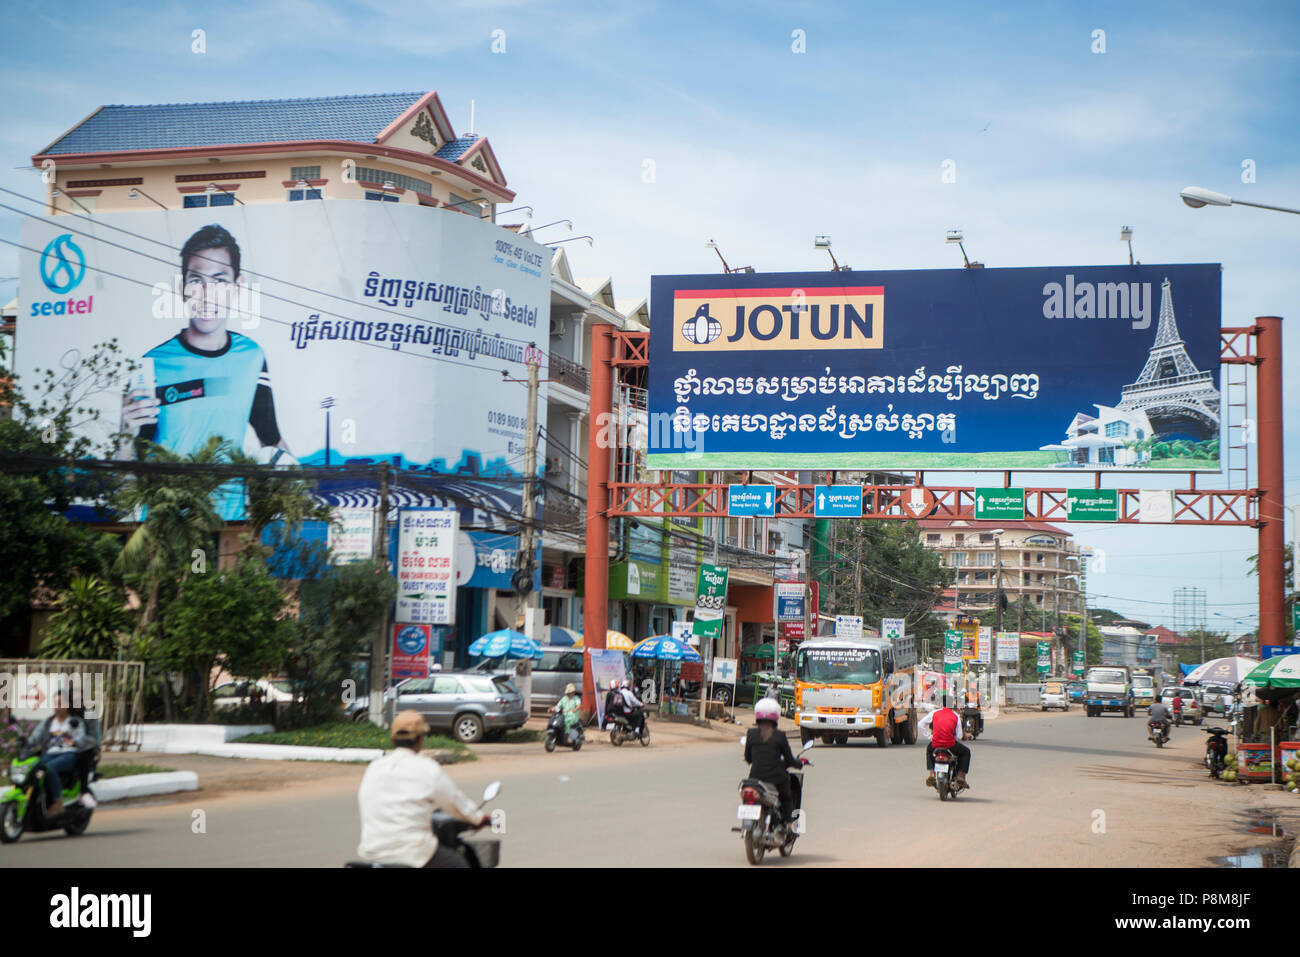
1074 690
1216 699
1053 694
238 694
1193 710
753 686
471 705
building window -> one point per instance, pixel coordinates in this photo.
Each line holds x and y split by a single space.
298 173
1116 430
932 538
958 559
1106 455
382 197
298 194
464 205
959 538
985 559
981 576
368 175
197 201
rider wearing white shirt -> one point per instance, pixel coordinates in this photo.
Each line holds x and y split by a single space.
398 795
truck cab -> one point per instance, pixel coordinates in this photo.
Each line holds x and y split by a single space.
852 688
1108 688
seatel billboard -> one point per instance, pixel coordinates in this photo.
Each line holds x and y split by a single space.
1070 367
316 332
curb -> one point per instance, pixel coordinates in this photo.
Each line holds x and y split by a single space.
144 785
288 752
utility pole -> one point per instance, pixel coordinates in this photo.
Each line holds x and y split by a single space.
379 645
523 581
993 651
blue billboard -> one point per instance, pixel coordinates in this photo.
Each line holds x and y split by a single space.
1070 367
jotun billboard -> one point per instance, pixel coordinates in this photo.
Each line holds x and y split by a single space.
317 332
1072 367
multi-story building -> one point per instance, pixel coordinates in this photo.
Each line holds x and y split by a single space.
1040 563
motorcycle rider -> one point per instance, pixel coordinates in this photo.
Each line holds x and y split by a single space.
768 754
943 727
633 707
568 706
614 704
1178 706
1159 715
61 736
398 795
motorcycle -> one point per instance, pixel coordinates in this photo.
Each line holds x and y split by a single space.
555 734
621 729
1158 733
760 812
479 852
1216 749
970 725
945 774
1178 717
23 805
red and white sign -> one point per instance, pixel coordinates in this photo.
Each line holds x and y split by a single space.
917 502
411 644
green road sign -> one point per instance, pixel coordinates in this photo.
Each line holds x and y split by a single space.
710 601
1044 657
1078 663
1000 504
952 651
1092 505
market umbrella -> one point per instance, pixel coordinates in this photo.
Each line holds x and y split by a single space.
665 648
618 641
764 650
1280 672
505 643
566 637
1221 671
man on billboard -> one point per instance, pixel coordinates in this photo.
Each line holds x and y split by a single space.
206 380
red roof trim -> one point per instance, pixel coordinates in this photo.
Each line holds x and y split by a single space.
482 145
287 146
440 119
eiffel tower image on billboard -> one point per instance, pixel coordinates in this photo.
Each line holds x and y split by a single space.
1179 400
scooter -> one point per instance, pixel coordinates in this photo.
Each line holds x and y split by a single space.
760 813
22 807
555 734
970 724
945 774
621 729
1157 733
479 852
1216 749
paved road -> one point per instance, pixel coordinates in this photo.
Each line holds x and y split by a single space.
1048 790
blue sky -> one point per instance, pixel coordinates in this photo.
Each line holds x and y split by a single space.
655 127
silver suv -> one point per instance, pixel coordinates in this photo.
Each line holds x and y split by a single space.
471 705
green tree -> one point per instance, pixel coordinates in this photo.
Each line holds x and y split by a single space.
880 569
235 615
275 495
52 420
341 605
89 621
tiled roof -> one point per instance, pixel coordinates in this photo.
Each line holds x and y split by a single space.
358 119
455 149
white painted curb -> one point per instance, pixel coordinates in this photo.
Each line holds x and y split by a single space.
143 785
288 752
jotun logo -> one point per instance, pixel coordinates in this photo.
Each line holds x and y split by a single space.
63 265
730 320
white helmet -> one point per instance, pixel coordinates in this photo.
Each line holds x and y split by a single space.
767 709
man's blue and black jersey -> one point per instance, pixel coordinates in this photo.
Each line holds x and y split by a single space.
211 392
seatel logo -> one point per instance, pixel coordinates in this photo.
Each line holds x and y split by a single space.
732 320
63 265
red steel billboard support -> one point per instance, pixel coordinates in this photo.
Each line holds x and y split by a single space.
1268 386
595 603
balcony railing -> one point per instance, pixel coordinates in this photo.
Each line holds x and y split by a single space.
569 373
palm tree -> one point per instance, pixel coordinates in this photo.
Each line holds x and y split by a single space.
178 525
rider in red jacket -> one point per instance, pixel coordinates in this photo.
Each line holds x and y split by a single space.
943 727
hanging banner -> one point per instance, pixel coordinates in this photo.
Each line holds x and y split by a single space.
1044 657
426 568
848 626
710 602
607 664
1008 646
984 646
1077 665
351 535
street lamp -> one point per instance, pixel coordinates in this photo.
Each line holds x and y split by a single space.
214 188
955 236
59 192
1198 196
824 242
136 193
725 268
327 403
1001 601
1126 236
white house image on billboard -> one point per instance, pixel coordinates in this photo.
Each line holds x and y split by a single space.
1171 399
1104 438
